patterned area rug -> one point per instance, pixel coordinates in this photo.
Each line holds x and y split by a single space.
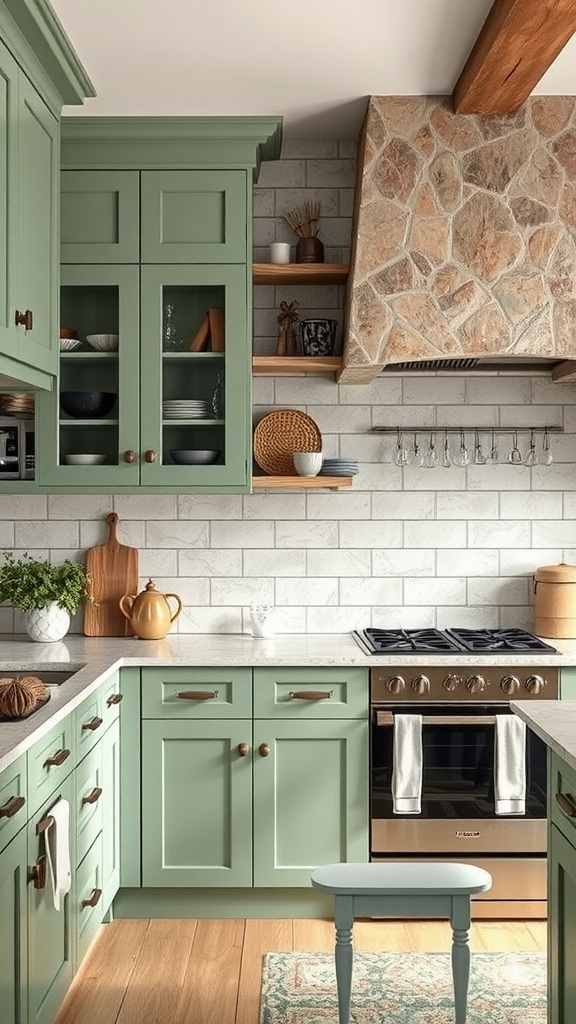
403 988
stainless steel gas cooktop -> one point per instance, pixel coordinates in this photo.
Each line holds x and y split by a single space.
448 641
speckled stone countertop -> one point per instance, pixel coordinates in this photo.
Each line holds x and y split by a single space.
554 722
91 659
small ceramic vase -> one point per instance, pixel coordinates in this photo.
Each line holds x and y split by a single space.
46 625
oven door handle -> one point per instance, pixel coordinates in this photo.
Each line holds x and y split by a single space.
387 718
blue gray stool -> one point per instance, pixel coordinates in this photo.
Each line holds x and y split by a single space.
402 889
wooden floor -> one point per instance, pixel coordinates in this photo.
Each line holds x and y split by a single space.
209 971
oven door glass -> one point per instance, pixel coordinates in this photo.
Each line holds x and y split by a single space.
458 763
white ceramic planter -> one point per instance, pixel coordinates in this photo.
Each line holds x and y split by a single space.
46 625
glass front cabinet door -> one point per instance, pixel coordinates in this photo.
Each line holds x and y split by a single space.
154 392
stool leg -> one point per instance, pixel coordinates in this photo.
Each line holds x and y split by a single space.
460 921
344 954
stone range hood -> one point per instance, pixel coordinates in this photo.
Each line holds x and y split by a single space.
464 239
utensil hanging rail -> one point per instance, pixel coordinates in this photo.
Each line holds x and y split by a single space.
467 430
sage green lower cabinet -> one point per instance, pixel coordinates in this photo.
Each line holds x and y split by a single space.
13 933
50 949
310 797
252 800
196 803
561 891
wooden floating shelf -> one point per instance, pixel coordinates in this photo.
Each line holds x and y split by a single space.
300 273
261 482
296 364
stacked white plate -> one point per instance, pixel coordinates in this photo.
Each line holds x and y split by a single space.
185 409
339 467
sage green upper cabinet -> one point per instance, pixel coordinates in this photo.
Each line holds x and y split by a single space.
99 217
39 72
194 217
171 200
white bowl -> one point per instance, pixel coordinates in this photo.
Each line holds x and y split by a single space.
87 459
194 456
103 342
68 344
307 463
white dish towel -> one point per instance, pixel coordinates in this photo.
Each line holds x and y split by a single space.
407 765
510 765
57 838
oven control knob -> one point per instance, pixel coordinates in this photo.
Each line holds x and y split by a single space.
510 684
535 684
421 684
395 684
476 684
451 682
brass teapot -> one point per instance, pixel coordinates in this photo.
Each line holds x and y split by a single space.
149 612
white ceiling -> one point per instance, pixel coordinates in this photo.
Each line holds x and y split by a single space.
313 61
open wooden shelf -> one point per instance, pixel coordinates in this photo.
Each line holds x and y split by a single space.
300 273
296 364
260 482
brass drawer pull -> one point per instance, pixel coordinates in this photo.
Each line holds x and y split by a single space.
198 694
311 694
14 804
96 894
567 804
93 724
57 759
243 749
114 698
150 456
93 796
263 750
129 456
37 873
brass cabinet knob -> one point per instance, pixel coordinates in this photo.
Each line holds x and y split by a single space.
129 456
243 749
24 319
150 455
263 750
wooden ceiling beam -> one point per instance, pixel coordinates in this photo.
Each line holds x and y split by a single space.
517 43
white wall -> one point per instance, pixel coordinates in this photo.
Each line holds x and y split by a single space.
411 547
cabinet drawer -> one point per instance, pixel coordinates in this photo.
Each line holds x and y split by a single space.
110 700
196 693
88 907
89 796
49 762
562 796
310 693
13 807
88 724
99 217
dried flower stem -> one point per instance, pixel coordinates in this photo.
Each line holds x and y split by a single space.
304 219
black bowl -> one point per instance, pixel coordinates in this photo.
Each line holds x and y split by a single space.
85 405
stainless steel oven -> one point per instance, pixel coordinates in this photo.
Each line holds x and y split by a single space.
459 706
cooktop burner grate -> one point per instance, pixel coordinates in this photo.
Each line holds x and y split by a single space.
450 641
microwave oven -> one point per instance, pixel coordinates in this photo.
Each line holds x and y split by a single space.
17 455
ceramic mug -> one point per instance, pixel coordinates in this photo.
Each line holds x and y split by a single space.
317 337
279 252
307 463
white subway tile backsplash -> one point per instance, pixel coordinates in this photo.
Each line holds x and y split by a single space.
449 590
384 590
346 562
411 547
498 534
371 534
413 562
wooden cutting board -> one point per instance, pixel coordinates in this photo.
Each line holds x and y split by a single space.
113 568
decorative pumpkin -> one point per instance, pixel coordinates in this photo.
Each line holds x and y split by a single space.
18 697
39 689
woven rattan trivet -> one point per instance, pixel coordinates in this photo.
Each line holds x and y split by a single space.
279 435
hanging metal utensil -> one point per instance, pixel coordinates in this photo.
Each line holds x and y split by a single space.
531 455
515 456
547 457
479 457
446 460
494 453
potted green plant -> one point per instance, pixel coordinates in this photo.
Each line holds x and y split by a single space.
47 594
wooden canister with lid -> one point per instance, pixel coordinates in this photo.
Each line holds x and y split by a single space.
555 601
